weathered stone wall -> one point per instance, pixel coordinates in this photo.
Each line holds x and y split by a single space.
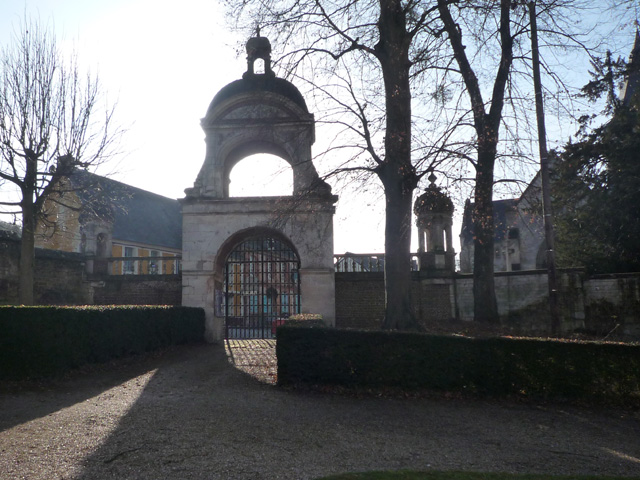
522 299
612 303
62 229
61 280
514 291
599 304
211 228
139 290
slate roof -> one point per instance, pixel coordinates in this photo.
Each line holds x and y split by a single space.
10 231
632 83
138 216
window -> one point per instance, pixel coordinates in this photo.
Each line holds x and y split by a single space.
253 304
155 264
129 266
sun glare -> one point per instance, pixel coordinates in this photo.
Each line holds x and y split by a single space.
261 175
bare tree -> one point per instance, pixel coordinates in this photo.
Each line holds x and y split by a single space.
487 118
495 61
388 40
380 61
52 121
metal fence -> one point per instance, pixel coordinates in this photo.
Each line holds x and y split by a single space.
365 262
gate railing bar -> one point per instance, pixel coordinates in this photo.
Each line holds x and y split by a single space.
262 284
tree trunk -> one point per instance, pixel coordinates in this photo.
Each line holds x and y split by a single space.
399 314
487 126
27 253
27 243
544 176
484 296
397 172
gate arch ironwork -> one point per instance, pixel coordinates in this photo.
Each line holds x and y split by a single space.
261 287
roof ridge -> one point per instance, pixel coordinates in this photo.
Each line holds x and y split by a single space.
126 185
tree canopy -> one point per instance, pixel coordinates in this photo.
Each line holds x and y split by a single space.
598 180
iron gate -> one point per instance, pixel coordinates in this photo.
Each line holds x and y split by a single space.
261 288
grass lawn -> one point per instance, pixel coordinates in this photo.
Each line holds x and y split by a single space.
411 475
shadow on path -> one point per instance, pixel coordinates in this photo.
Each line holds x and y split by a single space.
200 416
256 358
24 401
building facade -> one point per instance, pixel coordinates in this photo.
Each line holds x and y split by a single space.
120 229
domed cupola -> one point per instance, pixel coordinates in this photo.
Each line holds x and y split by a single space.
433 201
434 219
259 113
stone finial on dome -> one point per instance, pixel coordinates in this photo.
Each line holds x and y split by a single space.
433 200
258 48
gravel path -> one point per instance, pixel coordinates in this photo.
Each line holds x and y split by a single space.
198 412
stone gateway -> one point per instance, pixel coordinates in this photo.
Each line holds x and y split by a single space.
250 262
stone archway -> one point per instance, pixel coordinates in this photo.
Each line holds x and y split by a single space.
258 114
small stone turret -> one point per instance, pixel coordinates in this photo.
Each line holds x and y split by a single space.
434 218
258 48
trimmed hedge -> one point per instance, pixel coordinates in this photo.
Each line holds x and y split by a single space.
44 341
485 366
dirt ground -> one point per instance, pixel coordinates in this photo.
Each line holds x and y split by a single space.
206 412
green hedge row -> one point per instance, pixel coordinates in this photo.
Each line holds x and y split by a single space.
489 366
42 341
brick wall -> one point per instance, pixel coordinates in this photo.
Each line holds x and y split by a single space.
360 299
9 254
433 299
60 279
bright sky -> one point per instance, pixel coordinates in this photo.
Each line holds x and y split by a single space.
163 61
